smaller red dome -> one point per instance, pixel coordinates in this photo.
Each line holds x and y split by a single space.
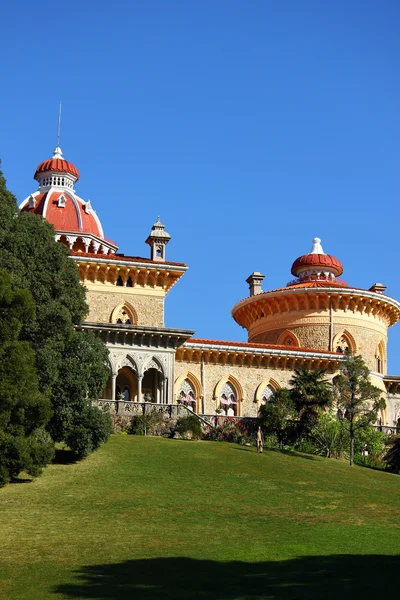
59 165
317 261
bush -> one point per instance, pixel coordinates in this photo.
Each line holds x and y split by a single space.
329 437
271 441
374 439
19 453
392 456
148 424
92 427
229 430
189 425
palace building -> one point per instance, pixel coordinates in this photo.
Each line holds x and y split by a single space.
309 322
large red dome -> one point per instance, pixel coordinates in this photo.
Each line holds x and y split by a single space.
74 219
65 211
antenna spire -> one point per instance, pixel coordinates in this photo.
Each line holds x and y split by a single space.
59 124
57 151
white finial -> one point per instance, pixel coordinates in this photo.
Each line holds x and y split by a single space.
317 248
58 153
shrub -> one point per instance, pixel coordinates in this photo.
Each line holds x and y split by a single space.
375 442
148 424
392 456
271 441
329 437
30 454
229 430
190 424
92 427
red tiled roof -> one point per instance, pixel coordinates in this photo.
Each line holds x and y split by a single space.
127 258
59 165
256 345
315 284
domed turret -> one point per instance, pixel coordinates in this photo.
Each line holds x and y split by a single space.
317 266
73 218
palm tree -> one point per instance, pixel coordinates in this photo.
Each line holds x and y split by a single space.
311 393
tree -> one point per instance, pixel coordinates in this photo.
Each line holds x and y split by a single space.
276 415
70 363
357 399
311 393
24 411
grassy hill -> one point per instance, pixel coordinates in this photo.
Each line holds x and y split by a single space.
149 518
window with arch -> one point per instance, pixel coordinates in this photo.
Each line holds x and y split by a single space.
129 282
380 358
343 343
124 316
267 393
119 281
228 400
287 338
187 394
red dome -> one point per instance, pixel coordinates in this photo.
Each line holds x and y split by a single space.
69 213
59 165
317 261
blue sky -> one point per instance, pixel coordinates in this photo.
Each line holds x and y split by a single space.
249 126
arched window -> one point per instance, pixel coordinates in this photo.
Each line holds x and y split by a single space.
123 316
344 342
267 393
187 394
119 281
129 282
288 338
228 400
380 358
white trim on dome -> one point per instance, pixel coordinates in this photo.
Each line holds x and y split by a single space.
27 199
46 201
93 214
77 209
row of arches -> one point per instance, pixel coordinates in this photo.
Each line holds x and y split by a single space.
228 394
342 342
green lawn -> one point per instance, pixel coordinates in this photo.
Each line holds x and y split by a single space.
150 518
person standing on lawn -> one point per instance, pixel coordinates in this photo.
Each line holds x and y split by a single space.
260 441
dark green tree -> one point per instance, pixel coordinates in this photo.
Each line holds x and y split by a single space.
24 411
358 401
70 363
311 393
276 415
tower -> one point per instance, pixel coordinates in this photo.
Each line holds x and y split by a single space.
157 240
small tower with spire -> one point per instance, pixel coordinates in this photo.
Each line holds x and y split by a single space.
157 241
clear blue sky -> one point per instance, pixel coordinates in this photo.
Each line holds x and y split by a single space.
249 126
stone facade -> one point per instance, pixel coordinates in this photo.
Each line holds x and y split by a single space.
149 309
246 381
366 333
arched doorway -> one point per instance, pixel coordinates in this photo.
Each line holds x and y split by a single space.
154 387
126 386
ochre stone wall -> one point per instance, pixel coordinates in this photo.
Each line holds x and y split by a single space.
313 331
149 309
248 377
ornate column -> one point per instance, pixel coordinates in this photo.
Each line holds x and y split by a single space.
157 387
139 388
113 385
164 397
